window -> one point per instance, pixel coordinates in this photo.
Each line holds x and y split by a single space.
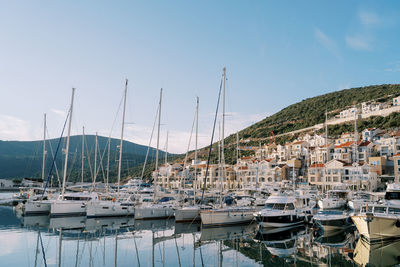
380 209
394 210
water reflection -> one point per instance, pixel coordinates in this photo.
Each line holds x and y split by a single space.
381 253
78 241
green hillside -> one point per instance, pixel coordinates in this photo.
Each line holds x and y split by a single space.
20 159
311 111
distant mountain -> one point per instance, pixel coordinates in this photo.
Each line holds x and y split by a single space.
20 159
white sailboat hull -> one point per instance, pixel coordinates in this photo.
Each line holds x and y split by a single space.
226 217
108 209
61 208
37 207
153 212
187 214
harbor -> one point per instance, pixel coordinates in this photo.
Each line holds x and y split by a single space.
81 241
199 133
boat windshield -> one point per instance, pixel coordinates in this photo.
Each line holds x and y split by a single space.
392 195
279 206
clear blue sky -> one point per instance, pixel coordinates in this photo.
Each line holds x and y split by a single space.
276 53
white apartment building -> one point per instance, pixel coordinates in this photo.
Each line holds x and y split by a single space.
348 113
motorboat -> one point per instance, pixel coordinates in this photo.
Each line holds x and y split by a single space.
332 220
280 211
380 221
336 198
361 199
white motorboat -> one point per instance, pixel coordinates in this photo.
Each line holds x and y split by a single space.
332 220
380 221
361 199
280 211
336 198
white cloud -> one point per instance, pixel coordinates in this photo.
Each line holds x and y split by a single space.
368 18
327 42
363 39
358 42
13 128
58 112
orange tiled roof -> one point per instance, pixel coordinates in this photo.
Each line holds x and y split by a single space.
365 143
347 144
317 165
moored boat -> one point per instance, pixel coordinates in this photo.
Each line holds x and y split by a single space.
280 211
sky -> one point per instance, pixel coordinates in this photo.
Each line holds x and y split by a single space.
276 53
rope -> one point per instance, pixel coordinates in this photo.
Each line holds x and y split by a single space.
54 159
212 138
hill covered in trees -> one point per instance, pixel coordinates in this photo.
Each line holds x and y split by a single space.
310 112
19 159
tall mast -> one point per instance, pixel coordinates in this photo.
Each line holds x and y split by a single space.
326 146
195 149
83 152
166 150
158 134
108 161
67 145
166 159
122 138
95 162
44 146
237 159
223 131
326 136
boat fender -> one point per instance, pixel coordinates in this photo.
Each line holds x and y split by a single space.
398 223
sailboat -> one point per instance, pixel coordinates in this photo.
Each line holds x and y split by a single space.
70 204
41 205
104 208
155 210
192 213
225 215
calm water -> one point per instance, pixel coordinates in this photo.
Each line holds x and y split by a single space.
77 241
